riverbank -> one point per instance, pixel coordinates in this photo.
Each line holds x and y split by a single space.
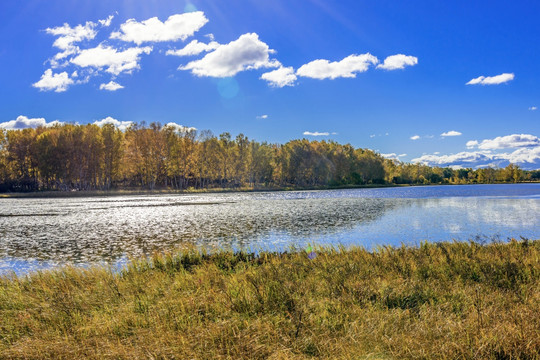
140 192
446 301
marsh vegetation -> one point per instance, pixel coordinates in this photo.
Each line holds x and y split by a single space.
459 300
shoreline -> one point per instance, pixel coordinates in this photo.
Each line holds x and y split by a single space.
140 192
127 192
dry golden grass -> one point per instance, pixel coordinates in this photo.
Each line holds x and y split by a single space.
438 301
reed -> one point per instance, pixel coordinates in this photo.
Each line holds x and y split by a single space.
455 300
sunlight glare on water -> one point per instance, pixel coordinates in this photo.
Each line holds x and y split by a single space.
44 233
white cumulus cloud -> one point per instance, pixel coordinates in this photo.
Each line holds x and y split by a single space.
346 68
106 22
490 153
466 159
262 116
114 61
527 158
492 80
110 86
180 128
451 133
393 156
414 137
176 27
245 53
284 76
316 133
526 155
121 125
399 61
471 144
504 142
194 48
23 122
69 36
533 108
50 81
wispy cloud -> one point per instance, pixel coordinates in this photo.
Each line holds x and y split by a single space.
533 108
415 137
451 133
262 116
316 133
492 80
194 48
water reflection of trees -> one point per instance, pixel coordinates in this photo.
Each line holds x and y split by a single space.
512 212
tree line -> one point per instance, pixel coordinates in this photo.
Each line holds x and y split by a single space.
89 157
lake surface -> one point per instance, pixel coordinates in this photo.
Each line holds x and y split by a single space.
44 233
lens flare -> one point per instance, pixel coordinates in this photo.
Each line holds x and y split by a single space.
190 7
228 87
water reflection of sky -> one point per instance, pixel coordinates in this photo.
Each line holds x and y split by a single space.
42 233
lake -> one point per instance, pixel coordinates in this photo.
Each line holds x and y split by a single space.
44 233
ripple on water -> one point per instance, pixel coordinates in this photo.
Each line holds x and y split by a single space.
42 233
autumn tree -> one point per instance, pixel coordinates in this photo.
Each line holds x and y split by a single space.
86 157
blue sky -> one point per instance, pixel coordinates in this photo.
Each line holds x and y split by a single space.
391 76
